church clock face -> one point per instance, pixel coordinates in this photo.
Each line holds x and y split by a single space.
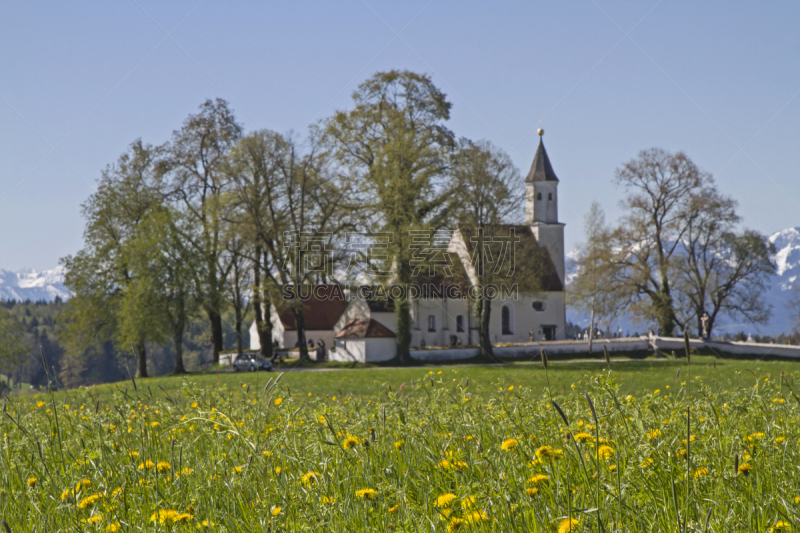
539 306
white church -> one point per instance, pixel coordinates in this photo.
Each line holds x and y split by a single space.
362 328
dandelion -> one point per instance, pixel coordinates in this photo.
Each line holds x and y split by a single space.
646 462
278 401
537 480
399 445
476 517
310 478
568 524
237 469
653 434
455 524
547 452
88 501
366 494
583 438
275 511
146 465
780 527
164 516
445 499
605 451
182 517
701 472
194 405
328 500
468 502
744 469
40 404
92 520
394 508
31 482
509 444
113 527
532 491
350 442
163 466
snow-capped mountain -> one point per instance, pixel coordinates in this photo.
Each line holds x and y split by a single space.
33 285
778 295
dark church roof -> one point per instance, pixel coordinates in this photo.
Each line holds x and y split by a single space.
541 170
322 307
364 327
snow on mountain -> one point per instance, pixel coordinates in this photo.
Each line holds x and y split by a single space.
33 285
778 295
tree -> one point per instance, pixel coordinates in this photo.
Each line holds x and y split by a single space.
240 284
484 190
661 189
395 144
99 273
294 208
719 270
161 299
193 178
13 347
590 289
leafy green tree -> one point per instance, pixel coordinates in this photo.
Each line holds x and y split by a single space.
485 190
193 178
13 347
99 274
161 299
395 143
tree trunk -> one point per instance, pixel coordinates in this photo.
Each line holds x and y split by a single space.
300 322
215 320
141 357
484 308
238 319
591 328
179 368
402 310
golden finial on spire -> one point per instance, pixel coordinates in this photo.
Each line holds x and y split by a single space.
540 132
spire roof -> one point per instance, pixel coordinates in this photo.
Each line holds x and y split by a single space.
541 170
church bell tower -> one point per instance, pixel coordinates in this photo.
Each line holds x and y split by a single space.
541 207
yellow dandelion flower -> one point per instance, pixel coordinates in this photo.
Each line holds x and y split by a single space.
700 472
328 500
532 491
350 442
31 482
547 452
646 462
237 469
444 500
605 451
366 494
96 519
194 405
468 502
653 434
275 511
278 401
146 465
455 524
509 444
780 527
89 500
538 480
399 444
476 516
310 478
163 466
583 437
113 527
394 508
744 469
568 524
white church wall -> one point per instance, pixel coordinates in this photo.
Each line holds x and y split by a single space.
380 349
351 350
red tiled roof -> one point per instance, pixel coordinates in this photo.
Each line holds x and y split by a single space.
319 314
364 327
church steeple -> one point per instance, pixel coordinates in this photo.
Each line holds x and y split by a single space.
541 206
541 169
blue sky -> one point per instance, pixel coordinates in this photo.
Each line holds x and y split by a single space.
719 80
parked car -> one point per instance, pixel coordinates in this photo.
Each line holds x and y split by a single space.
248 363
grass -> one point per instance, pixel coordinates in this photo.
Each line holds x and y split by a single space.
467 448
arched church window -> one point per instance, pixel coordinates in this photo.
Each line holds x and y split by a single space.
505 315
432 323
549 196
538 196
460 323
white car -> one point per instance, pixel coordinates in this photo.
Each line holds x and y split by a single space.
248 363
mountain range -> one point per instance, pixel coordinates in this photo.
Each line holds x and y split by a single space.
47 284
